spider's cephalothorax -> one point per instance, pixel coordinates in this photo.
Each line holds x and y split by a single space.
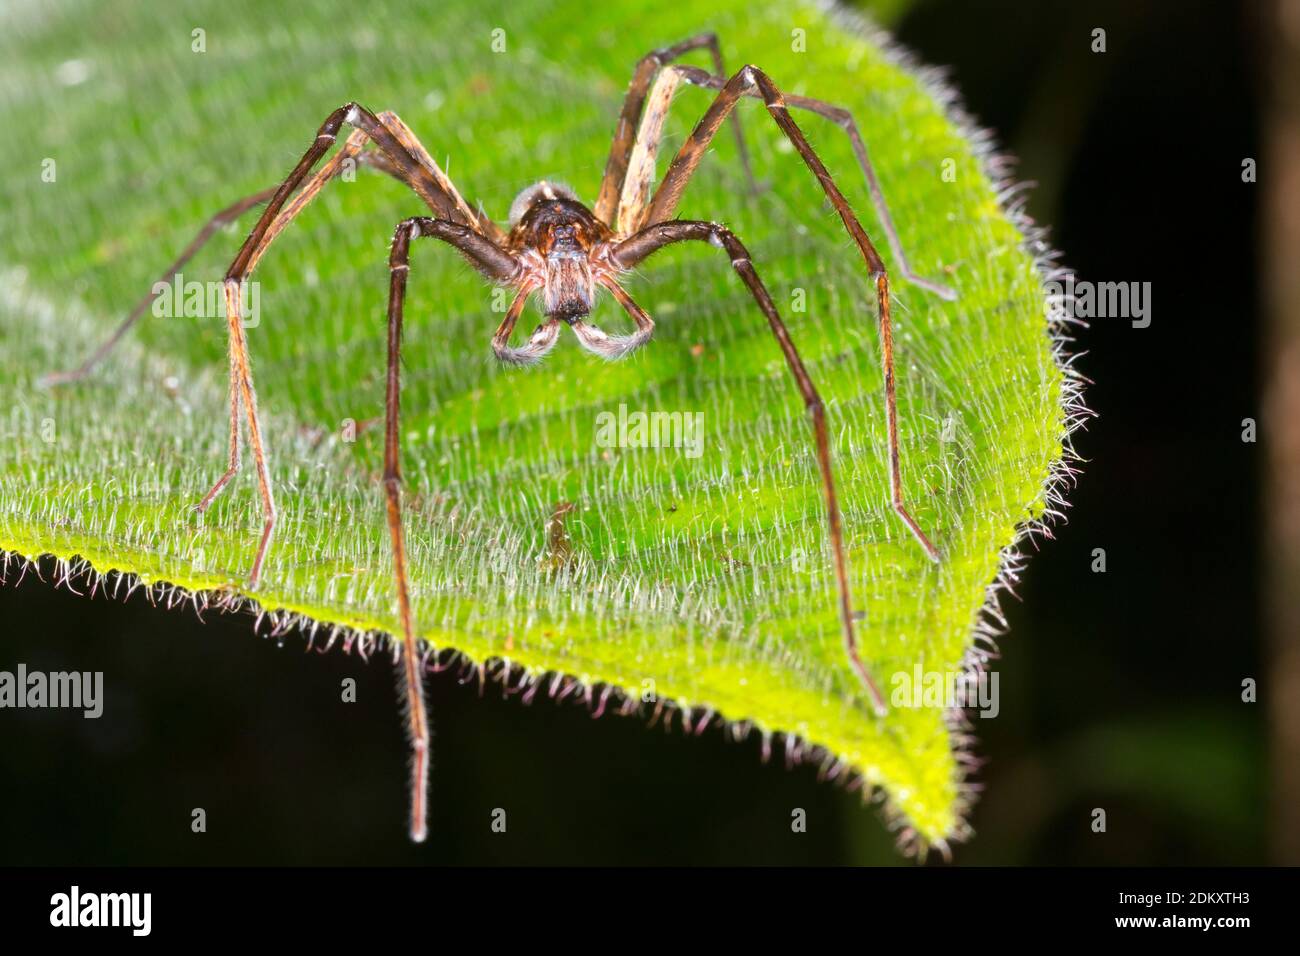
556 246
556 236
562 250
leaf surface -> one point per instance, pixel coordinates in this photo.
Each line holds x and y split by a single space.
701 579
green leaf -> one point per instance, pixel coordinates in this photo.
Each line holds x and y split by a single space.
704 579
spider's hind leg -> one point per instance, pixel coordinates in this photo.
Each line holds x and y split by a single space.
751 81
628 136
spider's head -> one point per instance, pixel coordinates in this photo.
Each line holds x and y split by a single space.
548 220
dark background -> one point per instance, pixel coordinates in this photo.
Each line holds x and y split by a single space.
1118 690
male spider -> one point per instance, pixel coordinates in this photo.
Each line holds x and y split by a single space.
559 247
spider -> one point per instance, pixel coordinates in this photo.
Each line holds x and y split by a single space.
566 252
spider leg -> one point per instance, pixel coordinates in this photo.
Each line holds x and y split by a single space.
489 259
350 150
423 178
653 238
373 158
750 81
626 137
478 219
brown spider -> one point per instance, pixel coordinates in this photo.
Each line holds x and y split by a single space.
559 247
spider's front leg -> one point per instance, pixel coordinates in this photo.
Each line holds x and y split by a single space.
751 81
495 264
629 253
404 158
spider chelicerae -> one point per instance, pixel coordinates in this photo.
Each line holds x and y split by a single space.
560 248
